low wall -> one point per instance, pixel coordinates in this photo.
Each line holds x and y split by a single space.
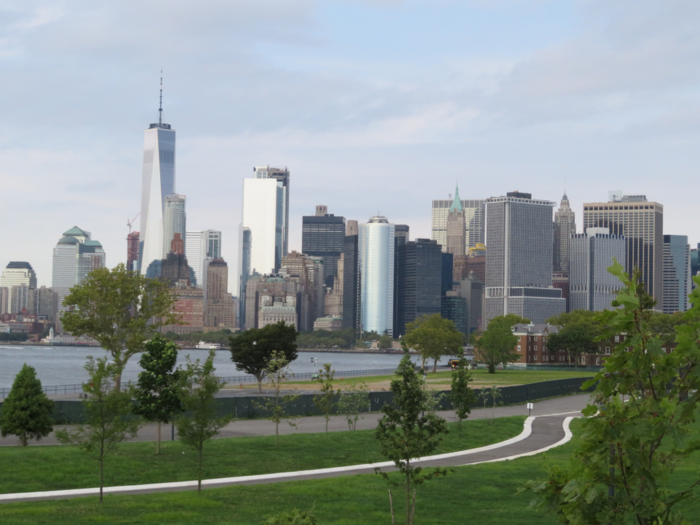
68 412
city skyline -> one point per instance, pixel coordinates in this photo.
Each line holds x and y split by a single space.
523 109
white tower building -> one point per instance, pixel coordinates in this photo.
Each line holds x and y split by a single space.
376 254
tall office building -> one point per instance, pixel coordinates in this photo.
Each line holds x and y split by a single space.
694 263
283 182
472 289
455 238
158 181
591 286
244 274
641 223
74 257
4 299
322 235
401 237
474 221
17 273
564 228
174 225
200 246
677 282
219 308
519 259
44 301
132 251
351 277
376 252
419 282
308 272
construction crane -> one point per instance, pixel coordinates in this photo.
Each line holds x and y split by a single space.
130 223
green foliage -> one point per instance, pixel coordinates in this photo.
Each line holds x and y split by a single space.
199 423
640 431
326 339
278 373
496 344
406 432
326 401
461 395
575 340
293 517
106 415
385 341
26 412
352 402
252 350
159 385
119 309
492 394
434 337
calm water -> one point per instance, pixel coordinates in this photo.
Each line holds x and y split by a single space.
63 365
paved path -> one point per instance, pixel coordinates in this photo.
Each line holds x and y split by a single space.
540 433
263 427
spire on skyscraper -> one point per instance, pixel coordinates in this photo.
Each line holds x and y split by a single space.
456 202
160 108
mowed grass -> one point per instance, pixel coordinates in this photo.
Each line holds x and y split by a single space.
35 468
482 494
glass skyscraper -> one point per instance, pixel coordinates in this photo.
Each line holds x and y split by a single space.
158 181
323 235
677 282
376 252
17 273
174 225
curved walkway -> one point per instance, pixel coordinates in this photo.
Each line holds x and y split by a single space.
540 433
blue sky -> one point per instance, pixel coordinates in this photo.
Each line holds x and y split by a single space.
373 105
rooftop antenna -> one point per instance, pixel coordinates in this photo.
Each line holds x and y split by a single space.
160 109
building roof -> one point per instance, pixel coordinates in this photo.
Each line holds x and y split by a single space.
456 203
535 328
19 265
75 231
93 243
68 240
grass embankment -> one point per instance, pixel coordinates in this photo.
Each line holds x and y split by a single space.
483 494
441 380
64 467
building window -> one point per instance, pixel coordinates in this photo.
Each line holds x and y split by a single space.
617 338
535 348
535 338
597 361
518 345
535 358
607 350
664 350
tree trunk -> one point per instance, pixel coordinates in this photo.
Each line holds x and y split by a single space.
435 365
102 476
408 500
492 368
158 443
413 507
23 439
327 425
391 506
259 386
199 472
277 434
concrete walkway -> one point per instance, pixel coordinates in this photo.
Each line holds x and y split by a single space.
540 433
313 424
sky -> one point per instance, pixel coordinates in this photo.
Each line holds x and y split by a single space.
375 106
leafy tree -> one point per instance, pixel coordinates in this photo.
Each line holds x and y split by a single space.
199 424
406 432
624 469
434 337
159 385
278 373
107 410
252 350
119 309
351 403
293 517
461 395
326 402
575 340
385 341
26 412
492 394
496 344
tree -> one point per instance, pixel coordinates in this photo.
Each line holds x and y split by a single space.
385 341
107 422
461 395
198 424
159 386
406 432
326 402
277 373
351 403
251 350
624 469
575 340
119 309
26 412
434 337
496 344
492 394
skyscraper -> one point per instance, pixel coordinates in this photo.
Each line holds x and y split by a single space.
419 282
351 277
455 240
641 223
200 246
474 221
283 182
376 252
591 286
322 235
564 227
74 257
219 308
519 259
175 225
17 273
132 251
158 182
677 282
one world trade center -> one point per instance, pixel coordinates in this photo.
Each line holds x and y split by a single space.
158 182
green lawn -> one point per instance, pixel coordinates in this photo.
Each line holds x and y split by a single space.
482 494
64 467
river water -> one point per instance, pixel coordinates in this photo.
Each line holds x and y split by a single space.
63 365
